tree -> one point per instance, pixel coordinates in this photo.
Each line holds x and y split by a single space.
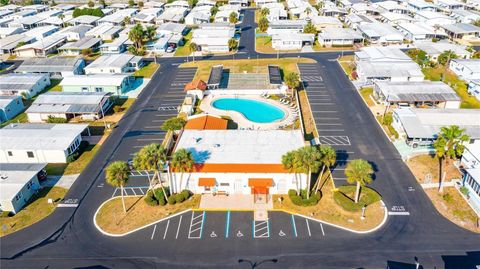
91 3
360 172
150 33
233 18
308 11
477 23
126 20
62 17
97 12
310 29
192 3
117 175
214 10
173 124
292 80
182 161
263 24
152 157
265 12
87 51
232 44
20 44
449 146
476 55
419 56
446 56
4 2
140 4
290 163
131 3
136 35
103 3
193 48
308 160
444 59
328 159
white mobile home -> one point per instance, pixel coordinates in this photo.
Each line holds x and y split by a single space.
18 182
467 69
39 143
114 64
23 84
55 67
10 106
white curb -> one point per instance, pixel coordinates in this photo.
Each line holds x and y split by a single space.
348 229
135 230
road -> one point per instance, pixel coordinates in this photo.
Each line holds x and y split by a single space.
68 238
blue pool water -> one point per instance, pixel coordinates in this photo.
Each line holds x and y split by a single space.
253 110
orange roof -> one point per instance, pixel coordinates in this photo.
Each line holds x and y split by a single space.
206 182
237 168
260 182
196 84
206 123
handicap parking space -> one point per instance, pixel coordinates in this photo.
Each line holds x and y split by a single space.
234 225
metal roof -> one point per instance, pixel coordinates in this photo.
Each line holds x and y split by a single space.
215 75
113 60
48 65
274 75
461 28
7 99
340 33
426 123
26 136
84 43
14 176
19 82
64 102
95 80
424 91
389 69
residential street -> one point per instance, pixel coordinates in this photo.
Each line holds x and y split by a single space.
68 238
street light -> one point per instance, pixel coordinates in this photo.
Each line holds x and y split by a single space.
256 264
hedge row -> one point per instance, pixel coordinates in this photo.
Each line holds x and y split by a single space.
367 197
156 197
301 200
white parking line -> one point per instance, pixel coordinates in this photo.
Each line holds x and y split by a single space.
308 228
153 233
134 192
166 229
178 228
321 226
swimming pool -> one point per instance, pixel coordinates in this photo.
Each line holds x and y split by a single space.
253 110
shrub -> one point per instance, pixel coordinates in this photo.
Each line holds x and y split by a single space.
158 193
117 109
301 200
186 194
342 198
73 157
6 214
292 193
447 197
150 199
52 119
464 190
171 200
179 198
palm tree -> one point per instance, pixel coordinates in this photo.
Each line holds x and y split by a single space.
360 172
62 17
136 35
182 161
150 32
173 124
152 157
449 146
444 59
265 12
232 44
117 175
328 159
292 80
263 24
309 161
126 20
289 162
193 48
232 18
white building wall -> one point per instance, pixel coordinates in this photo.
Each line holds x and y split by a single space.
237 182
452 104
16 203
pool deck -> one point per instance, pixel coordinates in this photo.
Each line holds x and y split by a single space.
244 123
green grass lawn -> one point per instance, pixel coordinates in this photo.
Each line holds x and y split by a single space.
75 167
366 93
457 84
36 209
185 49
347 64
147 71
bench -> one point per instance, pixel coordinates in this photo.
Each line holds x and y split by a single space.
220 193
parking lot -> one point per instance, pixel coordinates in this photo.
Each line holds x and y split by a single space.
329 120
234 225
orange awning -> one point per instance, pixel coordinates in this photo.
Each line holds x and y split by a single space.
206 182
260 182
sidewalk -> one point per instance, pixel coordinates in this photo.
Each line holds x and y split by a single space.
233 202
65 181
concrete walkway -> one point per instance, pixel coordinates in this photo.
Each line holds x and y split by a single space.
435 184
65 181
233 202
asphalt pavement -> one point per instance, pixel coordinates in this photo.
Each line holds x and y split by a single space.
68 238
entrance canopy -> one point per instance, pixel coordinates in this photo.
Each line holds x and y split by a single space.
206 182
260 182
